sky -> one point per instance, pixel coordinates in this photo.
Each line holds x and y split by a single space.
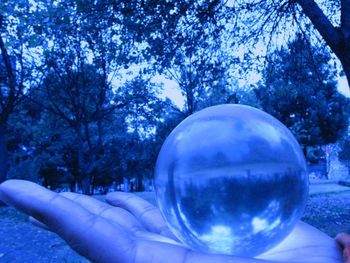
343 86
172 91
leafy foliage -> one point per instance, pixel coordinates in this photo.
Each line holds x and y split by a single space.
299 89
70 116
344 153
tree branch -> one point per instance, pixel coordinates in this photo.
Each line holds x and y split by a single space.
6 59
329 33
11 99
345 18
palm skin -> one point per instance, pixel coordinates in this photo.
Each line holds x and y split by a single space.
128 229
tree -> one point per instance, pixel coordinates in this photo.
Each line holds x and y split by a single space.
78 96
45 147
142 105
17 66
184 41
336 37
331 19
36 145
79 65
300 90
257 20
203 77
344 153
142 112
20 144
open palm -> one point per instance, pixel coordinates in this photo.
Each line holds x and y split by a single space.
128 229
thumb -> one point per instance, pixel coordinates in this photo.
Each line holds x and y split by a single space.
344 240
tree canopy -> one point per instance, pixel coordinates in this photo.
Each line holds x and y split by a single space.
299 89
80 104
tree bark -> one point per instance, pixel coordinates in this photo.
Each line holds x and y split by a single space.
86 185
139 183
345 17
83 175
320 21
3 157
3 154
347 74
338 39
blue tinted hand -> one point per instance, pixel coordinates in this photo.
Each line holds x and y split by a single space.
128 229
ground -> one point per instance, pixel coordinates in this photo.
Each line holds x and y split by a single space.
22 242
329 212
327 209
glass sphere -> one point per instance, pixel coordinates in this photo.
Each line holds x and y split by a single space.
231 179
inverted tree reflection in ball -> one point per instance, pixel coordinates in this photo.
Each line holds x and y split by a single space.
231 179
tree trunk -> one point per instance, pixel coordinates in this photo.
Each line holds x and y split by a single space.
345 61
93 185
328 165
139 183
337 38
73 185
83 175
347 74
3 154
86 185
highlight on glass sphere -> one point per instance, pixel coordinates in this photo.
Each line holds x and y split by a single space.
231 179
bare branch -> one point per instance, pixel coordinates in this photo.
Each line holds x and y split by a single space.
330 34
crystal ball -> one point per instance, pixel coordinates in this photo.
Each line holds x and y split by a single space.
231 179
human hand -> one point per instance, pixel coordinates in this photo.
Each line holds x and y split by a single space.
131 230
344 241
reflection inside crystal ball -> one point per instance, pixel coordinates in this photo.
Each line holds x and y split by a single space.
231 179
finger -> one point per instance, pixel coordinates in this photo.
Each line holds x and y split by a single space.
90 235
93 236
344 240
113 214
149 215
151 252
37 223
303 242
110 213
150 236
117 215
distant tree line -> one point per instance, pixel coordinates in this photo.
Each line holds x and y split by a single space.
68 117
